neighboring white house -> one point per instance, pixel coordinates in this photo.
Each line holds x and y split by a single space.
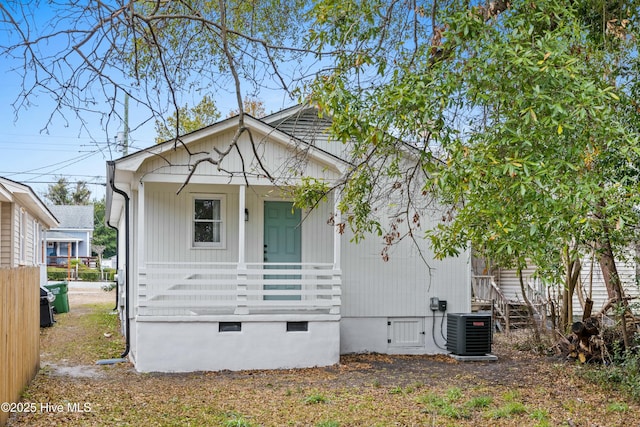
72 238
591 283
226 274
23 222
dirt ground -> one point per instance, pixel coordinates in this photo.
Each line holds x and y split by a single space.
362 390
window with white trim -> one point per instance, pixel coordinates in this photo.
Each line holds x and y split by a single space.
208 221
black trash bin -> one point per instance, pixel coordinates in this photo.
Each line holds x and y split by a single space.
46 309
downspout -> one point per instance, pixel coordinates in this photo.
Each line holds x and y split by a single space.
126 256
115 307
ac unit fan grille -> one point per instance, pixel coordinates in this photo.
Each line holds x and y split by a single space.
469 334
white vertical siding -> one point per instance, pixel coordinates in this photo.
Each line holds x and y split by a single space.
168 224
282 162
317 234
402 286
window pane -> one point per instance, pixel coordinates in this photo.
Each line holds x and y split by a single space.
207 209
203 209
216 232
215 209
206 232
203 232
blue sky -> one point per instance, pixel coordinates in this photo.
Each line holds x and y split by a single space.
37 153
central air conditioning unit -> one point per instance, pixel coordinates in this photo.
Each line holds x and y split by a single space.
469 334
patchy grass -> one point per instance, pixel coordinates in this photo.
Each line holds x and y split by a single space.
521 389
84 335
315 398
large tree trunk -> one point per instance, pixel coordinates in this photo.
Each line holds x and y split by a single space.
612 280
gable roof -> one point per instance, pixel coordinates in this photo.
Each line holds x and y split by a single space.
13 191
133 161
78 217
120 172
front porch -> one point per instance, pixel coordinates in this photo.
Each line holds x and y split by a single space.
267 295
201 289
215 316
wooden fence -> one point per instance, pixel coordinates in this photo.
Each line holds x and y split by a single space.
19 331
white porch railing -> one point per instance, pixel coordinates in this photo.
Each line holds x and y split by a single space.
193 289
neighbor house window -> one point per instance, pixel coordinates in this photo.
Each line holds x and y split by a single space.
208 221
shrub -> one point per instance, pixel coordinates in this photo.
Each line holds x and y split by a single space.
110 274
56 273
315 398
622 375
88 275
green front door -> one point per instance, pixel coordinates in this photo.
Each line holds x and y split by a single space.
282 244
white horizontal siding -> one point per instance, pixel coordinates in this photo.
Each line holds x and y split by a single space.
509 282
593 282
6 235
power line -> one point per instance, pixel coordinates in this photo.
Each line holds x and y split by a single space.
52 174
104 184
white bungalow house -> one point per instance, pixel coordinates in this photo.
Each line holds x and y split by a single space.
226 274
72 238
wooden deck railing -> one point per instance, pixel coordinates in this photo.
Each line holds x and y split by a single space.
167 289
19 331
63 261
485 289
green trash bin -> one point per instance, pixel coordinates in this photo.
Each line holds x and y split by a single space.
61 303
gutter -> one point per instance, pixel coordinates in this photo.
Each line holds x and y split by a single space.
111 165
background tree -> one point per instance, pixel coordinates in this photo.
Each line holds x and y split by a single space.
252 106
521 120
158 53
61 194
186 120
102 234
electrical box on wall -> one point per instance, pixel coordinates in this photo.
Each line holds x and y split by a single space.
436 304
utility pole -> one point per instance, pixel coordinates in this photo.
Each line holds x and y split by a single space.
125 140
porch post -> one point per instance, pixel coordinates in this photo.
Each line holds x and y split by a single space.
337 274
241 227
241 299
140 226
337 219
